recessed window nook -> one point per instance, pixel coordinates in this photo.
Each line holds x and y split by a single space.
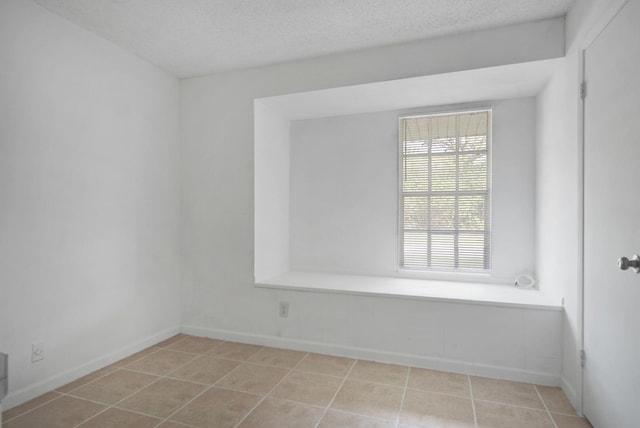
281 260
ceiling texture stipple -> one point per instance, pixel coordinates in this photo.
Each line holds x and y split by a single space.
197 37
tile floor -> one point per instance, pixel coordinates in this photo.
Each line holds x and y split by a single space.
191 381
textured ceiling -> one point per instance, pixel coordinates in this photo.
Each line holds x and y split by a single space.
196 37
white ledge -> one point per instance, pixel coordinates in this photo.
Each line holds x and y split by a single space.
458 292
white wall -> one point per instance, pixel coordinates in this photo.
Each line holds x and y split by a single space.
89 200
344 191
559 184
271 184
218 220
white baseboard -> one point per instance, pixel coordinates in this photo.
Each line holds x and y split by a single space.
16 398
572 395
457 366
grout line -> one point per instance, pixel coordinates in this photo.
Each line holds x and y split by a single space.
182 424
159 377
502 403
136 412
545 406
574 415
362 415
438 392
156 349
186 404
170 350
87 399
260 347
60 395
207 387
473 403
265 396
404 394
288 400
109 406
336 393
117 367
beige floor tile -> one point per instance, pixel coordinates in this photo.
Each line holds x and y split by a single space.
138 355
337 419
274 413
87 379
171 424
205 369
309 388
370 371
196 345
63 412
555 400
161 362
7 415
277 357
253 378
437 381
326 364
115 386
502 391
369 399
217 408
428 409
118 418
566 421
162 398
170 340
234 351
493 415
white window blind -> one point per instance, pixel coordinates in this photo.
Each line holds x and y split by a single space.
445 191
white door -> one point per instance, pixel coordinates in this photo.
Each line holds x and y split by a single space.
612 223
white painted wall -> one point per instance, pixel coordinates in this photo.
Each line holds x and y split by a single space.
271 184
89 200
218 222
91 210
344 191
559 184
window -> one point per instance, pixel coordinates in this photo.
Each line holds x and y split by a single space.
444 192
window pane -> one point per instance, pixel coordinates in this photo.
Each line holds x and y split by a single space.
443 173
471 253
473 142
415 174
415 250
415 212
444 169
442 254
443 211
472 212
415 147
443 145
473 171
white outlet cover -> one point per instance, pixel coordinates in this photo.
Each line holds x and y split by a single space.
37 352
284 309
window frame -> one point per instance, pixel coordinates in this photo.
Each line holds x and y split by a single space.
444 271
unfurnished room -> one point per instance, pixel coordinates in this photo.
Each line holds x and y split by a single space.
319 213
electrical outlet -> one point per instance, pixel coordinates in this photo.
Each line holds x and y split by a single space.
37 352
283 309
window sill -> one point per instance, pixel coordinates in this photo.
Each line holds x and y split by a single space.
408 288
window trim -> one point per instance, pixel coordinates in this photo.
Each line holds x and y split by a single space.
436 272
